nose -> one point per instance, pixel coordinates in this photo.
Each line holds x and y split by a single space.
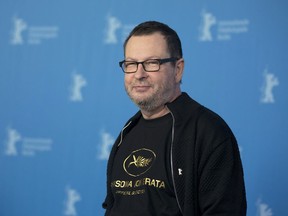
140 73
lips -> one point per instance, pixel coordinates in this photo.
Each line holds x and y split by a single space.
141 88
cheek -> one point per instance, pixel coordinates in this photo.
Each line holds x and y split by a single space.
127 79
127 82
167 78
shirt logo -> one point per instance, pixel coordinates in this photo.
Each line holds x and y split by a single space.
139 162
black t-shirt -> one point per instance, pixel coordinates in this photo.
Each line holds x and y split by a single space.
141 174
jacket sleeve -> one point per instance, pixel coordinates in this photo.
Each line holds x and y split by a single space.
221 182
105 206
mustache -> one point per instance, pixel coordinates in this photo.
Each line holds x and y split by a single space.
141 83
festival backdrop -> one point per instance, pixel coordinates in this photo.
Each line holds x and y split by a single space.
63 103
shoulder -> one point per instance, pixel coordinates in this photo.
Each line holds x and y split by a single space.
204 123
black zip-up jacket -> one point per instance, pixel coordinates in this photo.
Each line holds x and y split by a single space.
206 168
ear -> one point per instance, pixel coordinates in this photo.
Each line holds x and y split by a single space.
179 67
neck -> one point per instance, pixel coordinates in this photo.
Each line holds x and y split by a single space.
152 114
159 111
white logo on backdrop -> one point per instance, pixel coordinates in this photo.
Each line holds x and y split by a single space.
225 29
114 25
12 138
78 82
270 81
19 25
35 34
208 20
263 209
16 144
72 198
107 141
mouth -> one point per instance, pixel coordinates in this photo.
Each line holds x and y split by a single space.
141 88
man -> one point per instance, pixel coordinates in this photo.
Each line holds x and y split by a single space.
174 157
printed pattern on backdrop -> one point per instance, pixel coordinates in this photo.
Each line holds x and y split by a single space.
63 102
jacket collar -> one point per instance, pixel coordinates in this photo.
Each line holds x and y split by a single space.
180 108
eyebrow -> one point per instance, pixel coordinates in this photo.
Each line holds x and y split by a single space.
151 57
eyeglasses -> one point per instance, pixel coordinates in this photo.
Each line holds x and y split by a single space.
149 65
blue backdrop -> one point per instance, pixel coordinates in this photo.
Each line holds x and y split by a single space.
62 100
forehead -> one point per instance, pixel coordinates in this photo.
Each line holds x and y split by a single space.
146 46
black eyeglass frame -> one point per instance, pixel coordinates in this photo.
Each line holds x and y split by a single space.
161 61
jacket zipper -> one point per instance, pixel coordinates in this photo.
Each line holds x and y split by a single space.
171 163
122 131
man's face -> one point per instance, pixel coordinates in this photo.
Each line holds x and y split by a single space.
150 90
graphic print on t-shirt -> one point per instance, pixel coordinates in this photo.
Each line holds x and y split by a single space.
136 164
142 161
139 162
141 175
